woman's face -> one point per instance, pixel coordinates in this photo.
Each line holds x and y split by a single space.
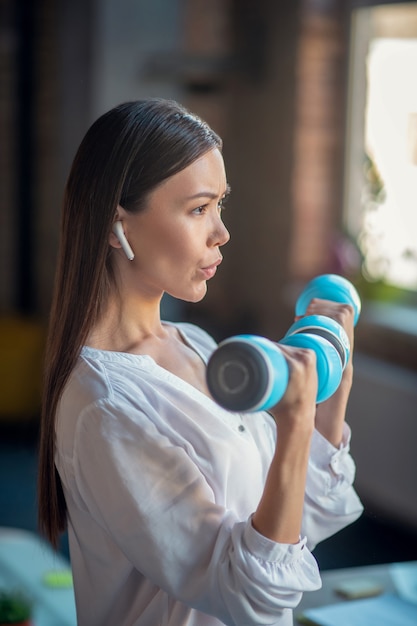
176 239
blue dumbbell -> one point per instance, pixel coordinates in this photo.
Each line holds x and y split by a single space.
329 287
250 373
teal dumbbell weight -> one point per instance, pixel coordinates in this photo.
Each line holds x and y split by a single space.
247 373
250 373
329 287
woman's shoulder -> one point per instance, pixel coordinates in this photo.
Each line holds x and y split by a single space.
103 391
87 385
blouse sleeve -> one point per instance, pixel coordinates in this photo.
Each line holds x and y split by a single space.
331 502
156 504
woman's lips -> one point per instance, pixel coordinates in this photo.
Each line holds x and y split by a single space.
210 270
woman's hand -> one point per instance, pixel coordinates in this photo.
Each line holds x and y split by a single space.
296 409
330 415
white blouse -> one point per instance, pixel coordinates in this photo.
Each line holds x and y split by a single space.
161 483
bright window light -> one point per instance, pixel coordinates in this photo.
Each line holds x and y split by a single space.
382 152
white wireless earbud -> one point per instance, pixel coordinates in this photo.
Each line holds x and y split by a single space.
119 232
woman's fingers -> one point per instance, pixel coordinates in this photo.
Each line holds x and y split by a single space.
298 403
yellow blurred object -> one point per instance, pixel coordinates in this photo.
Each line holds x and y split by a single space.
21 353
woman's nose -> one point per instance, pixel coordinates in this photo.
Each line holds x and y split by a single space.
220 235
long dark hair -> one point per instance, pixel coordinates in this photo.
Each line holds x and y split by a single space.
125 154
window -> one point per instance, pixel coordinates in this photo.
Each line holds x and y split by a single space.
380 208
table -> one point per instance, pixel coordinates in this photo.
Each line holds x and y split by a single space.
380 575
25 559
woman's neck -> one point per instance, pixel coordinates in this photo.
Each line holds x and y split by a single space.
126 325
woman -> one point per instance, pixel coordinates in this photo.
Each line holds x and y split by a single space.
178 511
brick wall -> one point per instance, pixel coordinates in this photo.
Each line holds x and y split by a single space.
319 136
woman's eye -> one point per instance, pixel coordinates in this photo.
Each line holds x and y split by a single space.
203 209
222 202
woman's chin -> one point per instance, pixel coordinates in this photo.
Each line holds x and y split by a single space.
195 296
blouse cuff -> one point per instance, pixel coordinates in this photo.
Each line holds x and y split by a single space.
268 550
335 462
325 454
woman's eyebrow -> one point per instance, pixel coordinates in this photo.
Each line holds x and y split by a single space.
209 194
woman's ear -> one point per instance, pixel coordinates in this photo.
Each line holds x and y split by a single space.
118 238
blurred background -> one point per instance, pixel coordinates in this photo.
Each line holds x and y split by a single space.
316 101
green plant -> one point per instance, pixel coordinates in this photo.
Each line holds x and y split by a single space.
15 608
